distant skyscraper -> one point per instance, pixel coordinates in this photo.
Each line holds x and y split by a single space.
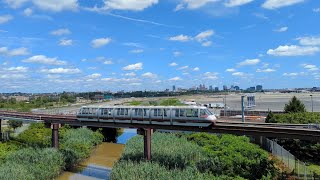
237 88
259 87
216 89
173 88
210 88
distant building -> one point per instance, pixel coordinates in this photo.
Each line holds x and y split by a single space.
99 97
237 88
259 88
210 88
252 88
173 88
216 89
225 87
19 98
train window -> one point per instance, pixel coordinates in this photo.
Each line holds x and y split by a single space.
182 113
126 111
85 111
138 112
145 112
192 112
165 112
203 113
157 112
177 113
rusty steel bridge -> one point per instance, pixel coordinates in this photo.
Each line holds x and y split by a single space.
291 131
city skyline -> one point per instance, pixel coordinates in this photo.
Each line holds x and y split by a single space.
74 45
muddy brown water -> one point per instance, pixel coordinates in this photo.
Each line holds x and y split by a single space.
99 165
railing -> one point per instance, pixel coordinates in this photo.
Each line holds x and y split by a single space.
5 136
297 167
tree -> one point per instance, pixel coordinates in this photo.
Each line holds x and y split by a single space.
270 117
294 106
15 124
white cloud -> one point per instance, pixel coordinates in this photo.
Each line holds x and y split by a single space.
211 75
94 76
12 76
65 42
130 74
230 70
60 32
137 66
282 29
203 36
240 74
183 67
194 4
234 3
18 69
181 38
316 10
206 44
290 74
310 67
137 51
135 5
173 64
14 52
96 43
266 70
275 4
249 62
56 5
175 79
27 12
293 50
61 71
196 69
309 41
108 62
5 18
149 75
15 3
178 7
41 59
177 53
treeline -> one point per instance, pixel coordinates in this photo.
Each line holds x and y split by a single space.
39 102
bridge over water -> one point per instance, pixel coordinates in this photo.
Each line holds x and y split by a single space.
291 131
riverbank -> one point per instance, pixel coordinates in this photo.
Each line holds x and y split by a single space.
98 165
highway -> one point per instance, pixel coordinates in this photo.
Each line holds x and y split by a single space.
291 131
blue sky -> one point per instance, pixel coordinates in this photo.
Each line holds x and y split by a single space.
78 45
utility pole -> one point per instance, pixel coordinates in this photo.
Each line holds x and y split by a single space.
242 108
311 102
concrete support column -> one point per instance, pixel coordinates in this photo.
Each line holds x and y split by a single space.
147 143
0 130
55 135
259 140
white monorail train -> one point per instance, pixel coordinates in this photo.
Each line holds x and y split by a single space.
163 115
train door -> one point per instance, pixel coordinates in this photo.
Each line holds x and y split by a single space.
122 115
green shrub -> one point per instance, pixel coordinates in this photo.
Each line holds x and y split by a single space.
171 102
37 135
295 118
167 150
31 163
76 144
124 170
6 149
233 155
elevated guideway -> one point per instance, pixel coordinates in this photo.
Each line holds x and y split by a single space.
292 131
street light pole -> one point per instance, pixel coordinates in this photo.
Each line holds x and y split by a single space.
311 103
